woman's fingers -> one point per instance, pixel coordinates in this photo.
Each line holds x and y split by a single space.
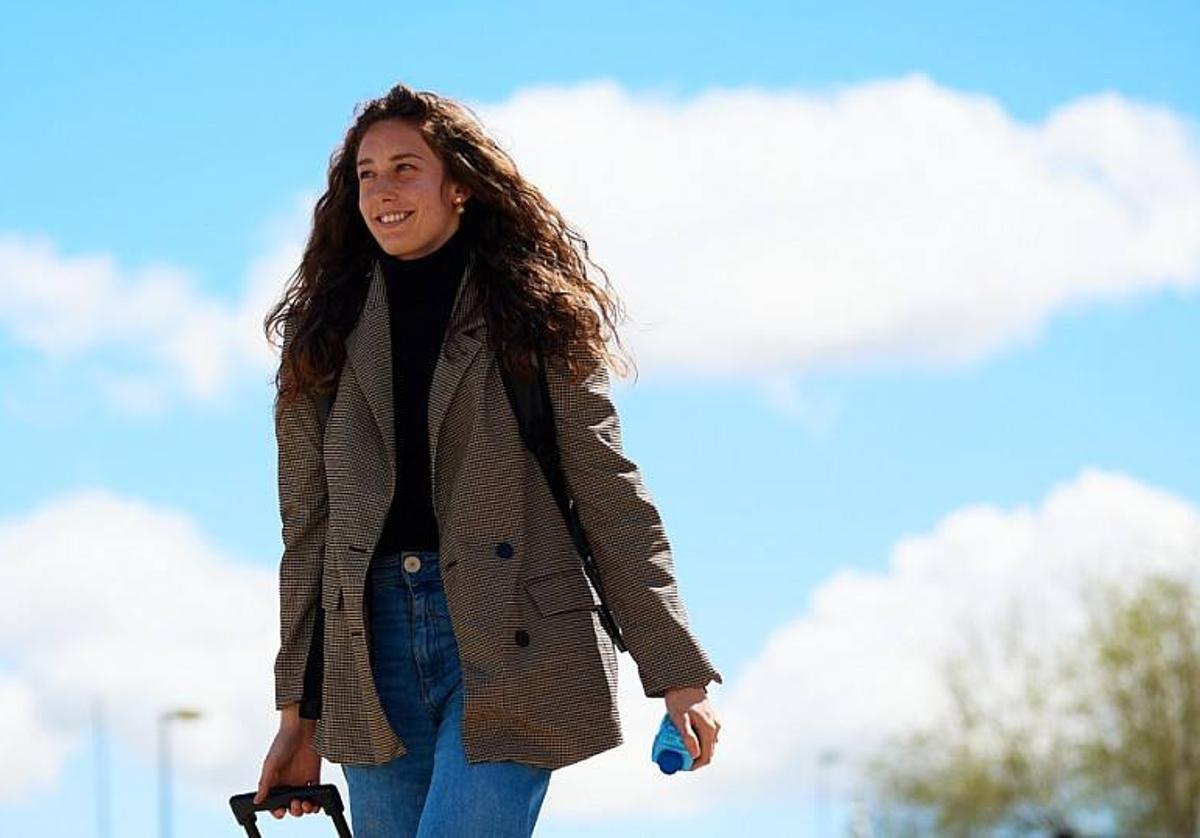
707 730
685 733
287 764
305 807
298 808
696 722
291 808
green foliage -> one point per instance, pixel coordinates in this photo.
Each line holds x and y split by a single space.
1142 703
1034 742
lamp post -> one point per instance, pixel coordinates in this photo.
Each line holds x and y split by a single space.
99 735
164 764
825 759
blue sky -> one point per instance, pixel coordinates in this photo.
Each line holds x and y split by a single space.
998 352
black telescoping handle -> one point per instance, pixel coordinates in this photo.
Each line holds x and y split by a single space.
326 795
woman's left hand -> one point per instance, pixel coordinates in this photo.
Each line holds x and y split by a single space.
690 705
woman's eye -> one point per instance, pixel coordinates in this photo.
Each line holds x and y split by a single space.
362 175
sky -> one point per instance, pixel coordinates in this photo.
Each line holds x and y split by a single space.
913 294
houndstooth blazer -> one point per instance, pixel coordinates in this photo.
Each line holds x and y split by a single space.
539 670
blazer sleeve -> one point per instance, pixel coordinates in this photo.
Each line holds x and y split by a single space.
304 513
625 532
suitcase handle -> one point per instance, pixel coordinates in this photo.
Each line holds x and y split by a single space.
280 797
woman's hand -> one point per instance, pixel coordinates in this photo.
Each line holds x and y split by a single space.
291 761
690 704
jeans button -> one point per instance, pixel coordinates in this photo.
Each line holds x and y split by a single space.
412 563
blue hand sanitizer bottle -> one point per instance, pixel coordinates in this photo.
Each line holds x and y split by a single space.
668 750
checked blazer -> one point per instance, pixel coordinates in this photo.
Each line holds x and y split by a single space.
539 670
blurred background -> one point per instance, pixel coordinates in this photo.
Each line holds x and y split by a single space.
913 292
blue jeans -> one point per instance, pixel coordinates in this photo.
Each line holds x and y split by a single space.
431 791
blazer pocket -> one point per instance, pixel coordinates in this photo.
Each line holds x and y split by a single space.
560 591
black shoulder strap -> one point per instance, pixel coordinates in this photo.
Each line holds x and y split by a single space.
531 405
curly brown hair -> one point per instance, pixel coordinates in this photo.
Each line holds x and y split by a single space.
530 264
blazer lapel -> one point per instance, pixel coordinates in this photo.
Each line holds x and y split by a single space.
369 353
461 344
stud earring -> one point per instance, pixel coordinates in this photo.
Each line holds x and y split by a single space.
458 205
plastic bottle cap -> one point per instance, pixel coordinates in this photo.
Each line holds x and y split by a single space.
669 762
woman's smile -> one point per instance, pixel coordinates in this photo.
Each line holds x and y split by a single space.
393 219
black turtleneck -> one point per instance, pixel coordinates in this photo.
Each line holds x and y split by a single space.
420 294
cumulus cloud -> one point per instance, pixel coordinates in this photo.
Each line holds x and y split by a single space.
894 221
148 336
750 232
43 747
112 599
864 660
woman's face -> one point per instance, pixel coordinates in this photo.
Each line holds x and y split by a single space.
399 174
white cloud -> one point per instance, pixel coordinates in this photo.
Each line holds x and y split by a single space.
863 661
42 748
112 599
895 221
750 232
184 343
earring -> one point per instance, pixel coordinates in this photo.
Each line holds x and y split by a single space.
458 205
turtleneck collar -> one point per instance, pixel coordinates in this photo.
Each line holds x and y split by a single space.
447 260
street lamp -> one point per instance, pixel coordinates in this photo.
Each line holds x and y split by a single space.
825 759
99 734
164 764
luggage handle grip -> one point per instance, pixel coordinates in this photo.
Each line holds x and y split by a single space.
325 795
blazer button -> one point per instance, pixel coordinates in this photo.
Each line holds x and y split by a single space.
522 637
504 550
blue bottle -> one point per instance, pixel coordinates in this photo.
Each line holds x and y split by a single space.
668 750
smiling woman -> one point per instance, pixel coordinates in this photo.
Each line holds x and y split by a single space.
438 634
425 154
404 196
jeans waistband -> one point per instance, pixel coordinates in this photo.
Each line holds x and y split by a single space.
417 565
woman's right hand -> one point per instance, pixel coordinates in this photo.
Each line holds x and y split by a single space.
291 761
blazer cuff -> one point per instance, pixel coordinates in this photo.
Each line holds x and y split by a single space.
655 685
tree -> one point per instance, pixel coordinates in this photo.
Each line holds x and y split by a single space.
1103 728
995 761
1142 704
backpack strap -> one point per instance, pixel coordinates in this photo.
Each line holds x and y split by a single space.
529 397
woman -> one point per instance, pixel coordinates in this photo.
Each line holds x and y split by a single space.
439 637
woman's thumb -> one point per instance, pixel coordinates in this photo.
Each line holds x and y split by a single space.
264 785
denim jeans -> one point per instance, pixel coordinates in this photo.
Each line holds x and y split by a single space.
431 791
